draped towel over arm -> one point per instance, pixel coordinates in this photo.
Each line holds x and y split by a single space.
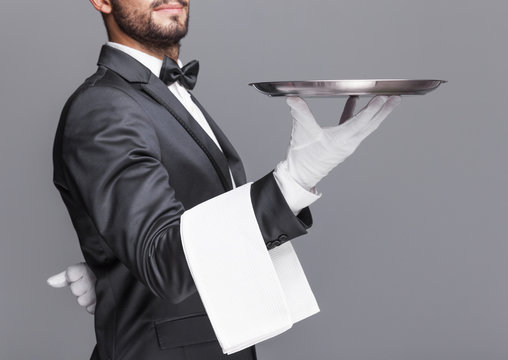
250 294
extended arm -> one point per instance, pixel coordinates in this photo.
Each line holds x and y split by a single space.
112 161
312 154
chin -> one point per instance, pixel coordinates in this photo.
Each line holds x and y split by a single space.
170 20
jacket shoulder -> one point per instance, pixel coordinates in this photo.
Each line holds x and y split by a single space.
103 83
103 102
104 97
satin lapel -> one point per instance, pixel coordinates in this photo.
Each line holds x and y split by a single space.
159 92
232 156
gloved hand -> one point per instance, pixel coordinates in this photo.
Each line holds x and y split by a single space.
82 284
315 151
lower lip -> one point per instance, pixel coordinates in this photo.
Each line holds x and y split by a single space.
170 11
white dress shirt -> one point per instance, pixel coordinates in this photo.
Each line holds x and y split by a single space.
296 196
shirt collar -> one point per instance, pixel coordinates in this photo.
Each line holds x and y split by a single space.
151 62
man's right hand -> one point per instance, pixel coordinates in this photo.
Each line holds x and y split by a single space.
81 281
314 151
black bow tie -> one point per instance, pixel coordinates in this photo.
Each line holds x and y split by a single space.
186 76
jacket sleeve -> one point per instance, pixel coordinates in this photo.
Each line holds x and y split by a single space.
275 219
112 157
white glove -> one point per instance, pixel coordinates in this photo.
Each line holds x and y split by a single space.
315 151
82 284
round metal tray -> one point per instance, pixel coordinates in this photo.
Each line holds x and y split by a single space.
334 88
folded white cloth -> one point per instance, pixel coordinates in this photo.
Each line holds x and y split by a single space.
250 294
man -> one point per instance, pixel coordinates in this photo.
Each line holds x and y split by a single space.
166 221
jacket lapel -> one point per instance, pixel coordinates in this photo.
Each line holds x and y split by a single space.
232 156
135 72
159 92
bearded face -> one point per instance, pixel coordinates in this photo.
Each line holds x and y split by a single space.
156 24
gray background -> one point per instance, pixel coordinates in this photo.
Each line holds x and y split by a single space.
408 254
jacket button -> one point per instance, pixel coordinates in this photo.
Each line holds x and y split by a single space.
283 237
276 243
269 245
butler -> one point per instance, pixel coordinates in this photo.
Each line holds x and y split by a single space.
177 239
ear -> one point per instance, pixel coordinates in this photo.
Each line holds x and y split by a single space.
104 6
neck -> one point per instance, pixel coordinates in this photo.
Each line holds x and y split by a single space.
120 37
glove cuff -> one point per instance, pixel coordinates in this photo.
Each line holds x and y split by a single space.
295 195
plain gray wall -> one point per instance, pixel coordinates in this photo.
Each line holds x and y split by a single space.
408 253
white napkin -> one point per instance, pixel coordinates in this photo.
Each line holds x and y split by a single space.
250 294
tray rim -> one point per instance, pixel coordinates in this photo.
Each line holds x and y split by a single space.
336 80
304 87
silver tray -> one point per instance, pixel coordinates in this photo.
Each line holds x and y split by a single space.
334 88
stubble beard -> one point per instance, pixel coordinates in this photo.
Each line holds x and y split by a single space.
145 31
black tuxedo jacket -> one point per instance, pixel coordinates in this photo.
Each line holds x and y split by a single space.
128 161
